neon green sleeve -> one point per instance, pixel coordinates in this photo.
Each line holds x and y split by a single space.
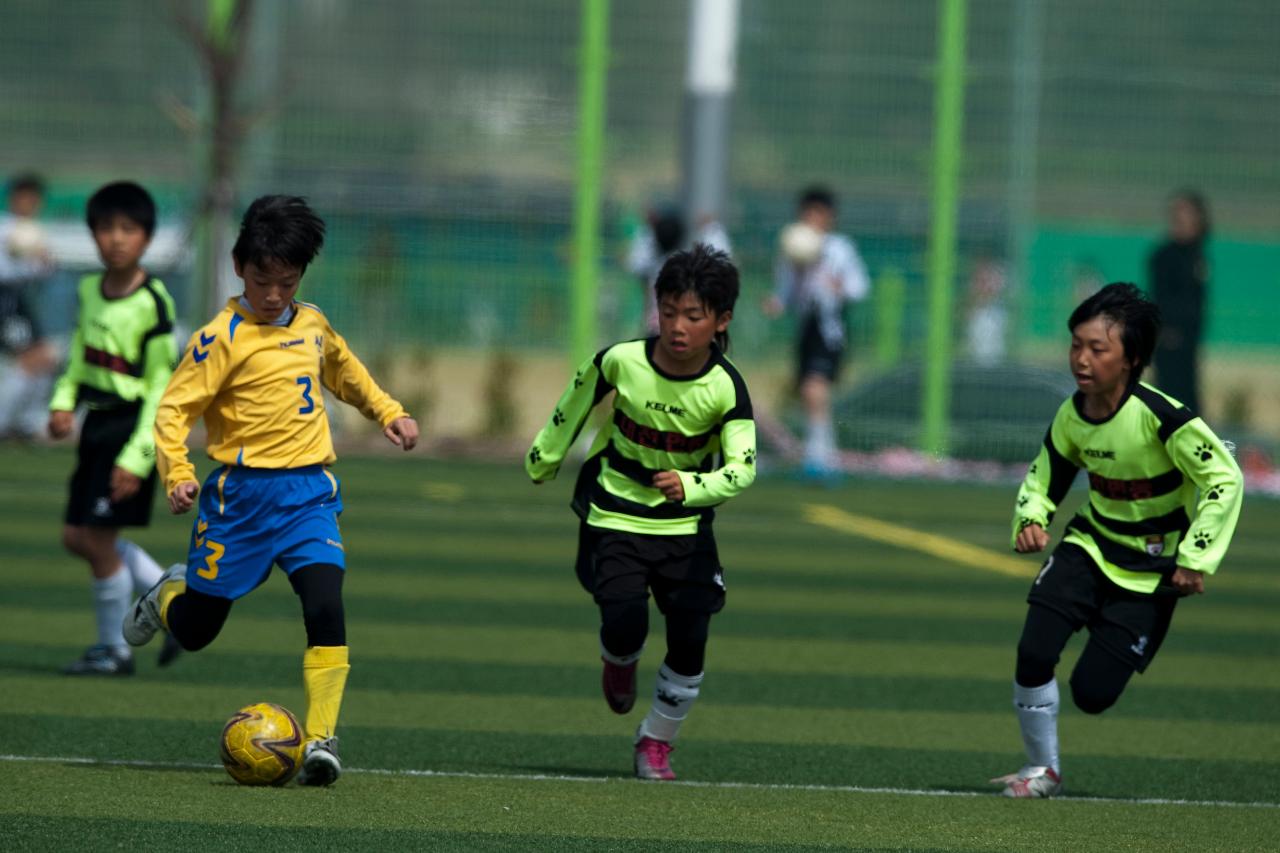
738 447
139 453
1202 458
68 385
552 443
1048 480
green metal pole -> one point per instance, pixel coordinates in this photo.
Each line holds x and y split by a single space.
948 115
592 72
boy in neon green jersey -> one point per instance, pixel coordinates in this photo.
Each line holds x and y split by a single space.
122 355
1164 496
681 441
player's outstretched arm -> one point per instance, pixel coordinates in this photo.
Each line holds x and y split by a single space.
1202 457
1047 482
587 388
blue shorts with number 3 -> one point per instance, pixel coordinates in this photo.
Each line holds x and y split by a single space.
253 518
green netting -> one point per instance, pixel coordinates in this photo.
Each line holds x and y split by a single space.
437 139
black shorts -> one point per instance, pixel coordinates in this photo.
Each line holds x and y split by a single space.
1129 625
816 356
683 572
104 435
18 327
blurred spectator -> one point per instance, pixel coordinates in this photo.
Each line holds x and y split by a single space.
24 262
988 318
663 233
1179 277
817 273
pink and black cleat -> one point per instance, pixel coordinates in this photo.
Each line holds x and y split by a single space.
653 760
619 683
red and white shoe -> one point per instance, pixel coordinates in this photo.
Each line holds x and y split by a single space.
619 684
652 759
1030 783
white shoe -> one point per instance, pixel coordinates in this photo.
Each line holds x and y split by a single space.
320 764
1031 782
143 619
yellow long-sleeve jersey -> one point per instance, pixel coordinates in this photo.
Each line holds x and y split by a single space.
258 387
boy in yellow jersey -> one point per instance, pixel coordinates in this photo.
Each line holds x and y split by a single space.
255 374
120 359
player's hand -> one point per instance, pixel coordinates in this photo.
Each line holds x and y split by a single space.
124 484
772 306
402 432
60 423
1031 538
1188 581
668 482
183 497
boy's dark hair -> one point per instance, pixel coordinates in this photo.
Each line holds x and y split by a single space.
124 198
1122 302
705 272
26 182
816 195
281 228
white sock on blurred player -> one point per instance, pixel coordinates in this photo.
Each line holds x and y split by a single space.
140 567
111 597
673 696
1037 709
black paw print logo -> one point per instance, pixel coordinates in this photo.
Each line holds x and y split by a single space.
1202 540
729 475
577 379
1032 469
1214 493
697 479
535 456
1022 501
1205 452
749 457
558 418
1024 522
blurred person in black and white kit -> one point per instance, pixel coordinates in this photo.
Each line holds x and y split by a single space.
817 273
24 261
1179 279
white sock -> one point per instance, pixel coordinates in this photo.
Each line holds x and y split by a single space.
110 604
673 696
35 406
141 568
820 444
1037 709
12 390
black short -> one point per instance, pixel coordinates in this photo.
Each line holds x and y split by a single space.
1129 625
18 327
104 435
683 572
816 356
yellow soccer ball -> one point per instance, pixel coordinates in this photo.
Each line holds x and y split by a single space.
262 745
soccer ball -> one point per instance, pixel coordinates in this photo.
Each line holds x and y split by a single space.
801 243
26 239
262 745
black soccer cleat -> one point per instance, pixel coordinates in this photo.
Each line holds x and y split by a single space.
101 660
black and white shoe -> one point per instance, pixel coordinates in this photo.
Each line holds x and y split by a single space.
101 660
320 764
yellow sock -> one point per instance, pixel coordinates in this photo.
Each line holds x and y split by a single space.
167 594
324 674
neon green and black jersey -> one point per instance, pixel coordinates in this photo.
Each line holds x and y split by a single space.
122 352
1163 490
660 423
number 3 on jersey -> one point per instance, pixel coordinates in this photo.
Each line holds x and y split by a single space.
310 404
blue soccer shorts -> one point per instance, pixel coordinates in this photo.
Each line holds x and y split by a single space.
252 518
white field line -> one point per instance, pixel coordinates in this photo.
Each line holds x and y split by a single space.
552 777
